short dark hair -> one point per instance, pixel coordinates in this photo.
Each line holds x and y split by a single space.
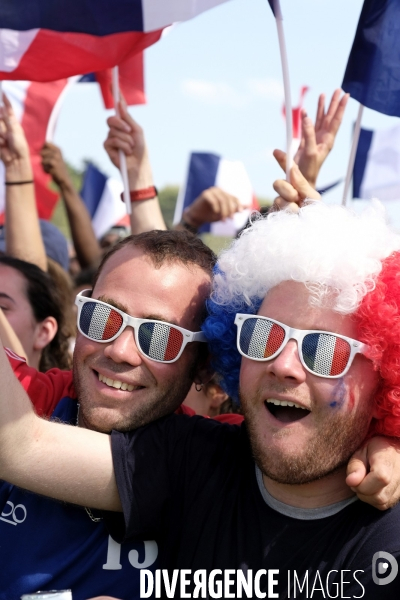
45 300
163 246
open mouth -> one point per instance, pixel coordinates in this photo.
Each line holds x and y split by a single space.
286 412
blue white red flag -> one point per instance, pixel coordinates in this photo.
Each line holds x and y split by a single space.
377 165
131 81
33 104
207 170
373 70
102 197
44 40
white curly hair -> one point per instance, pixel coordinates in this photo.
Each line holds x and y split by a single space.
334 251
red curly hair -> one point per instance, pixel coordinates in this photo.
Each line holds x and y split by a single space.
378 319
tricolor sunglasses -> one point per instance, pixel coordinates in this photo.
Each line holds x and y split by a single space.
322 353
157 340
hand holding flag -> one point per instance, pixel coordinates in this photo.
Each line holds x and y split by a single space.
213 204
127 135
14 150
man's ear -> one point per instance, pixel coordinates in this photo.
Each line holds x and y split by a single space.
216 395
45 332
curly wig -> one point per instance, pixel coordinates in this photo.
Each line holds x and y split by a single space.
349 262
378 320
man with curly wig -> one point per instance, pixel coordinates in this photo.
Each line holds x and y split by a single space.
304 327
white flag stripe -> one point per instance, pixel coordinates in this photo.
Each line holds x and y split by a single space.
159 341
14 44
324 354
159 13
259 338
232 177
110 210
98 322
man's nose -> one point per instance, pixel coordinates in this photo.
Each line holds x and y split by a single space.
124 349
287 364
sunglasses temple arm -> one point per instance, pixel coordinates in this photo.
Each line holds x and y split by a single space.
199 337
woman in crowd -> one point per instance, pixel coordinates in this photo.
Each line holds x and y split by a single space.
33 306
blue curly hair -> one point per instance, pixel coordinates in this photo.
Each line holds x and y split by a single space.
220 331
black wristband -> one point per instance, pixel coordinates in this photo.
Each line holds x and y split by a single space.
18 182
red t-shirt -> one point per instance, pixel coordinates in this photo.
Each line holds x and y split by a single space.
46 389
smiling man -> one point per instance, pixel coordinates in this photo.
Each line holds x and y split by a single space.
305 311
163 278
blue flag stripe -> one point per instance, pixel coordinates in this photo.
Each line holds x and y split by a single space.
92 190
95 17
86 316
373 70
203 170
246 334
309 349
271 3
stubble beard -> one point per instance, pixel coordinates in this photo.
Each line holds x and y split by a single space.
160 404
327 451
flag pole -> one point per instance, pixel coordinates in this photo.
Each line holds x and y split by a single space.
352 158
122 157
286 87
51 125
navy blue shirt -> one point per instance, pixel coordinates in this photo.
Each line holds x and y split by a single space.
192 485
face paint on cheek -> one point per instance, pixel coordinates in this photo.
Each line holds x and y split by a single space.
338 395
351 396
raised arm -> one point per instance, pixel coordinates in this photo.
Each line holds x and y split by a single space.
9 338
126 135
317 139
87 248
212 205
23 237
60 461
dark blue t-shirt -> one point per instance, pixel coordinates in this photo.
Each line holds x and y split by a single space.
47 545
192 485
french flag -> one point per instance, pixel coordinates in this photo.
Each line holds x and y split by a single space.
131 81
207 170
99 322
160 341
33 103
373 70
325 354
260 338
44 40
376 171
102 197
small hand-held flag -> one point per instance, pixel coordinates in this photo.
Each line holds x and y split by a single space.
207 170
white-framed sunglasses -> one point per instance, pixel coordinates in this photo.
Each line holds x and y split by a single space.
323 353
157 340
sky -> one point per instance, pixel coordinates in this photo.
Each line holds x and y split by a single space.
215 84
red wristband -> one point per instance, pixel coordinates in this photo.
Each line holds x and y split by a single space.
144 194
